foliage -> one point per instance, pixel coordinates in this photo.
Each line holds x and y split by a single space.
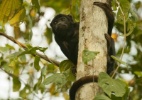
30 70
114 89
88 55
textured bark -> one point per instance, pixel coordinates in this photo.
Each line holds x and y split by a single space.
93 26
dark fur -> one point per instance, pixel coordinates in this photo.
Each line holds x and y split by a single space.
67 36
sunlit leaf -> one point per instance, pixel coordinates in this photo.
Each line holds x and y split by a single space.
65 65
57 78
52 89
125 5
36 63
88 55
111 86
130 27
16 84
18 17
51 68
101 97
38 86
14 55
44 71
24 92
8 8
13 63
6 48
48 34
36 4
138 73
32 50
22 59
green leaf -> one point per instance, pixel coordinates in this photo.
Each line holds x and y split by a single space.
111 86
24 92
101 97
22 59
38 86
70 76
18 17
32 50
36 63
58 79
36 4
13 63
48 34
138 73
16 84
125 5
65 65
51 68
14 55
130 27
120 26
88 55
6 48
8 8
44 71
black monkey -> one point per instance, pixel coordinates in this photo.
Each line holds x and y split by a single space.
110 49
67 36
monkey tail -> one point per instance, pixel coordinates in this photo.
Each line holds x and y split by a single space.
109 14
77 84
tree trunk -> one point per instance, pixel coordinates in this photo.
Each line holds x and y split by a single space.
93 26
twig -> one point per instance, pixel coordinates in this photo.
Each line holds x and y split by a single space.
24 47
124 23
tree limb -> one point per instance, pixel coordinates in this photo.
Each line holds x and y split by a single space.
93 26
24 47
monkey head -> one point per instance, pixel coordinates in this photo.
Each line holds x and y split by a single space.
61 23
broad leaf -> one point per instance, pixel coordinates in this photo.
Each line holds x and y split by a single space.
65 65
88 55
36 4
57 78
8 8
18 17
101 97
36 63
111 86
16 84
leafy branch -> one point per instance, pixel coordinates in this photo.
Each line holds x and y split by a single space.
25 47
125 35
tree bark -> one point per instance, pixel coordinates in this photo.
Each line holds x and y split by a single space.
93 26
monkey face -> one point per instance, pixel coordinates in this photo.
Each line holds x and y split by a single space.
61 23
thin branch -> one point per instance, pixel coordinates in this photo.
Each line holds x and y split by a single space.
123 48
24 47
